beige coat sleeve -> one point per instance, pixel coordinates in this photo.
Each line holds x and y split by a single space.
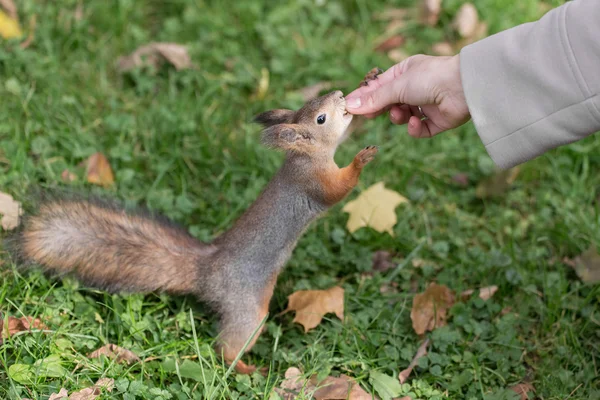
537 86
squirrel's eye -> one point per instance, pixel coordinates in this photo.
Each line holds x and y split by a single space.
321 119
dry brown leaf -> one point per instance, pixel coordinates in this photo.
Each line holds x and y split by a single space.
14 325
430 308
10 9
382 261
10 210
466 20
523 389
99 171
292 384
397 55
154 54
92 392
430 11
587 266
68 176
312 305
331 388
497 184
390 43
485 293
339 388
443 49
62 394
313 91
116 352
375 208
421 352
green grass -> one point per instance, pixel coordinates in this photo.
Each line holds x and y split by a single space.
181 144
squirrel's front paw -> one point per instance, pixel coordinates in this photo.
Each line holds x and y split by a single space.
370 76
365 156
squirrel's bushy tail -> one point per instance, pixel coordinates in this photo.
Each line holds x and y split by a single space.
108 248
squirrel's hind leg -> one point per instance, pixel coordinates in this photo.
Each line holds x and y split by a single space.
240 323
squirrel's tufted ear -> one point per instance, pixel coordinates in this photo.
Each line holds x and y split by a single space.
274 117
288 137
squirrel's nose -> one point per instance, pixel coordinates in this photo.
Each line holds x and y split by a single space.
338 93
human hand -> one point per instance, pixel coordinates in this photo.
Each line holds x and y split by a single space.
433 83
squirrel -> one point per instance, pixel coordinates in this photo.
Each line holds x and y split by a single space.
109 248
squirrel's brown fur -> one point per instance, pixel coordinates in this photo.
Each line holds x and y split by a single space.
236 273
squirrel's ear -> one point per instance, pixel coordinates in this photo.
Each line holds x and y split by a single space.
274 117
288 137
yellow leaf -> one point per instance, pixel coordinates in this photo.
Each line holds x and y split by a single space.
9 28
99 171
375 207
312 305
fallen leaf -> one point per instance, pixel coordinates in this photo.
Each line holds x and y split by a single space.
291 386
331 388
68 176
430 11
430 308
375 208
312 305
522 389
443 49
313 91
339 388
485 293
497 184
466 20
115 352
587 266
390 43
92 392
99 171
10 210
10 9
382 261
397 55
421 352
62 394
14 325
9 28
154 54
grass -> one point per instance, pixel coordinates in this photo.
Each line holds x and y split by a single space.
181 143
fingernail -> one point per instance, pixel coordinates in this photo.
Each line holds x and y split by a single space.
353 103
394 114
